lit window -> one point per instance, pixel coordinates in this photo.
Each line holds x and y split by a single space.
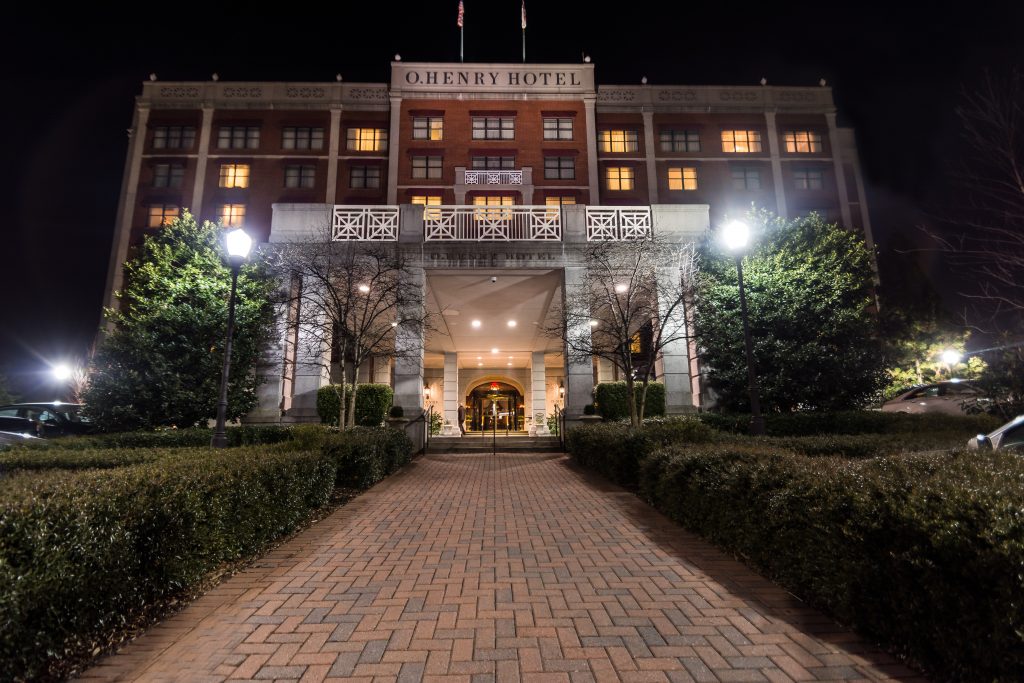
802 141
367 139
364 177
741 141
619 177
618 140
558 129
481 163
302 137
746 179
560 201
238 137
161 214
426 167
808 179
299 175
684 178
428 201
168 175
680 141
428 128
494 207
494 128
174 137
234 175
559 168
231 215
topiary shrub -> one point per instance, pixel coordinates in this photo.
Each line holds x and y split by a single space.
328 402
372 403
610 398
589 409
396 411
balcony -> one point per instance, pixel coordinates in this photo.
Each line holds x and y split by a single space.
618 223
365 223
492 223
493 177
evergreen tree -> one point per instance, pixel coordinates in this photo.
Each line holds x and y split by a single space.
161 363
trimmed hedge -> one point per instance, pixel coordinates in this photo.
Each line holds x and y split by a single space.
612 403
83 553
245 435
372 403
922 551
854 422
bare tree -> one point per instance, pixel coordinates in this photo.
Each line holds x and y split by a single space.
353 297
628 309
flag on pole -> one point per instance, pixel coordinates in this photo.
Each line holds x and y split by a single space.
524 15
462 11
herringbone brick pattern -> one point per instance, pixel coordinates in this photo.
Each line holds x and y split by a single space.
508 568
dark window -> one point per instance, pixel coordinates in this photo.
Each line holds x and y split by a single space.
364 177
168 175
174 137
300 137
558 129
299 175
808 179
494 128
559 168
746 179
426 167
238 137
494 162
680 141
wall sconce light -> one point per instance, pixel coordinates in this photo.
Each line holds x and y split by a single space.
426 393
561 390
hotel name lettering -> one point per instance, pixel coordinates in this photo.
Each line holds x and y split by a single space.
493 78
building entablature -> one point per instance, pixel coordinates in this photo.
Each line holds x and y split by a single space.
714 99
262 95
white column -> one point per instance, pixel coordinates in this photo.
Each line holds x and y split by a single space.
538 400
396 116
773 151
837 162
579 375
270 369
674 363
409 359
652 168
333 142
590 104
312 370
201 161
451 394
126 207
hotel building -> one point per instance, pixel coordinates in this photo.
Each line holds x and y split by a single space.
407 161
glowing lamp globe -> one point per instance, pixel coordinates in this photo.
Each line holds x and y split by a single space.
238 243
735 235
61 373
950 357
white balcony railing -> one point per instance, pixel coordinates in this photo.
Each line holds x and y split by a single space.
483 223
370 223
494 177
617 223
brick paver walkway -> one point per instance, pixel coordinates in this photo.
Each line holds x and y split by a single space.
475 568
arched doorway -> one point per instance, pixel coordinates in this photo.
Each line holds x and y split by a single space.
495 405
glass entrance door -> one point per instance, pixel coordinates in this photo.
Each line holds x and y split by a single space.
494 406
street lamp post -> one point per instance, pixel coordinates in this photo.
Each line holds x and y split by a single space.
736 236
238 244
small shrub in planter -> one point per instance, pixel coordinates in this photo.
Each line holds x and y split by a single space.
396 411
589 409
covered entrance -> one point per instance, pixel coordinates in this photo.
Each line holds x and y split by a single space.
495 406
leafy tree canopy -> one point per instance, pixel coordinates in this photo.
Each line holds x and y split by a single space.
809 289
161 363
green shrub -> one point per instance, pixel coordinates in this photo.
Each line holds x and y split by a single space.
372 403
249 435
853 422
935 538
82 553
589 409
364 455
396 411
611 402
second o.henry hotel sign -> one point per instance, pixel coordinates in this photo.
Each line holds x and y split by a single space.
456 77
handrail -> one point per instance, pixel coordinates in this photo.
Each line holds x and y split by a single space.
426 438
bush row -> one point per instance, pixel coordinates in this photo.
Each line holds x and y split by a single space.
83 553
372 403
854 422
935 539
245 435
612 400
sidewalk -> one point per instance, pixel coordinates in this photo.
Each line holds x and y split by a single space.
476 568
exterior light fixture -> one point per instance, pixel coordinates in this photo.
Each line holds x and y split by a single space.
476 324
365 289
479 365
238 245
735 235
509 364
426 393
561 390
949 357
621 288
394 324
494 350
61 373
593 323
511 323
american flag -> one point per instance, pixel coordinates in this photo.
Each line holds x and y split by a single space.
524 15
462 11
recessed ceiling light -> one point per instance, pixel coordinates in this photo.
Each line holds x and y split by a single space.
475 323
593 323
508 364
479 365
479 357
511 323
364 288
619 289
494 350
510 357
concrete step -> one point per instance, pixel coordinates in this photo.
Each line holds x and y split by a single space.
478 444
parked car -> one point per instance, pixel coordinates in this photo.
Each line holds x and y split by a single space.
50 419
952 397
1009 436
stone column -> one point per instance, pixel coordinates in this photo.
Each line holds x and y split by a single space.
652 168
674 361
201 161
774 152
333 142
590 104
837 163
409 358
451 394
579 376
312 371
396 116
538 401
271 369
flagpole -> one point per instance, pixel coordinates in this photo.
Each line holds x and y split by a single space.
524 46
461 55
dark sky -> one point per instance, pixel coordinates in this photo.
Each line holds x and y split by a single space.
69 82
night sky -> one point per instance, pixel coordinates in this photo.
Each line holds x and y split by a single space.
69 82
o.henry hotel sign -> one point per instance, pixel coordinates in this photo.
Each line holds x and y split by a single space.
456 77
